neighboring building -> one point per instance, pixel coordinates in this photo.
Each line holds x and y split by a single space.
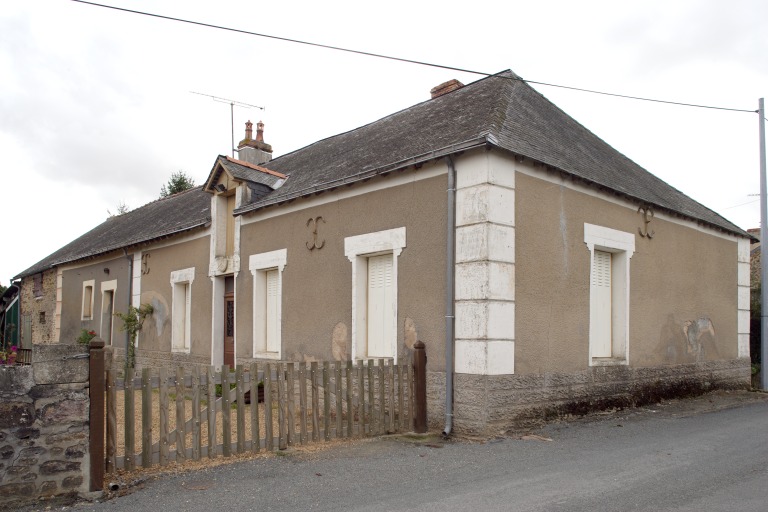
576 278
10 318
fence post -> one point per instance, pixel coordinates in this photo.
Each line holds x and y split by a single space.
97 412
420 385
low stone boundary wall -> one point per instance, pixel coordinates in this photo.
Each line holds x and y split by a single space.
44 426
493 404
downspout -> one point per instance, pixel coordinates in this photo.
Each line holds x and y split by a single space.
130 297
450 260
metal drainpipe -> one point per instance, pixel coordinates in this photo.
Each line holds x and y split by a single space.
450 253
130 295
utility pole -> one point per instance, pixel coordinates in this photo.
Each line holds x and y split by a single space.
763 258
232 105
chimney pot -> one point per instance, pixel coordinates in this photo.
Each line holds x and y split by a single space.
248 130
260 131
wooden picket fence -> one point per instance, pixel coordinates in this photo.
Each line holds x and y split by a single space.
302 403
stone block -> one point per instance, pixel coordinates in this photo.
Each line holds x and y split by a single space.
53 467
64 411
16 380
16 471
7 452
743 250
743 274
67 437
744 345
72 482
60 363
485 203
17 490
486 167
75 452
48 488
16 414
479 280
32 451
26 433
743 294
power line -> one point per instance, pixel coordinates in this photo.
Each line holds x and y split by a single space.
401 59
742 204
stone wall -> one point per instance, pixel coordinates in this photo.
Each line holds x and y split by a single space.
44 431
494 404
39 303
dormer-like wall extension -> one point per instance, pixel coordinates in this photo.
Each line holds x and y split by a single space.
254 151
232 184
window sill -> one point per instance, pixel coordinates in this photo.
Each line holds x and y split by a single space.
608 361
267 355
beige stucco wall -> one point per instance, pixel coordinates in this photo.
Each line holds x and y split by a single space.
156 290
317 284
681 275
72 297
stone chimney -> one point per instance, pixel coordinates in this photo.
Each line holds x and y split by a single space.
445 88
254 151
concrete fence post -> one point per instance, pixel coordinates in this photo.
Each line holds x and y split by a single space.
420 387
97 412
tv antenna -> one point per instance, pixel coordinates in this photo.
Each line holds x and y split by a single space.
232 105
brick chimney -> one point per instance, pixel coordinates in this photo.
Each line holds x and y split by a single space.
254 151
445 88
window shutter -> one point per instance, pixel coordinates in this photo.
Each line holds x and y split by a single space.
601 286
380 301
271 312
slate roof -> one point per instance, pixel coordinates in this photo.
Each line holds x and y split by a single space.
247 172
175 214
500 110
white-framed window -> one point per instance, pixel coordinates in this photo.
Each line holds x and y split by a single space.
108 289
374 291
610 253
181 314
87 310
267 270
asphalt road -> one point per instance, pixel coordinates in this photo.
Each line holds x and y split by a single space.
656 458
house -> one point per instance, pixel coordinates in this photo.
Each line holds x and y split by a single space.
10 326
544 271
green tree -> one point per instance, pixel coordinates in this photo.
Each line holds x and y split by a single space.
178 182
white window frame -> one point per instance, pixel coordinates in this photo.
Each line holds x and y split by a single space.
91 283
108 286
621 245
358 249
259 265
181 297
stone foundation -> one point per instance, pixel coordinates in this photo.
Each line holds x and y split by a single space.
492 404
157 359
44 432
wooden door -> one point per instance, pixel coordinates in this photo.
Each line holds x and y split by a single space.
229 329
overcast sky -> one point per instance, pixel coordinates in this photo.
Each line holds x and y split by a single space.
96 109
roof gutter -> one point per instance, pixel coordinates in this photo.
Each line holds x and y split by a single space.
366 175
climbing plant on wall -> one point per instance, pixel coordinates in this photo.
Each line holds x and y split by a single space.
132 322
